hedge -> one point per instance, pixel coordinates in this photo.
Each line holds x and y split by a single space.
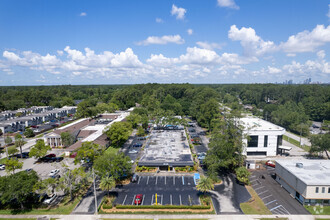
162 207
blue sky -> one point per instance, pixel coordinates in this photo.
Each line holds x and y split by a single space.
49 42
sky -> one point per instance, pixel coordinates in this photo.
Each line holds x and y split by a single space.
56 42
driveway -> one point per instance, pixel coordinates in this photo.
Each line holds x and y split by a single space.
277 200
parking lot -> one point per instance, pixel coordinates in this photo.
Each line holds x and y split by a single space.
171 190
277 200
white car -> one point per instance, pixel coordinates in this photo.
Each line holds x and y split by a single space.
50 199
2 167
54 172
132 151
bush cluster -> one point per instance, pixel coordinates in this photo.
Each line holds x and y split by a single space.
185 169
143 168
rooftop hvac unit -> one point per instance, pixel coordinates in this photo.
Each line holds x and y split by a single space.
299 165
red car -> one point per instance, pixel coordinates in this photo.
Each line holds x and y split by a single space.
270 163
138 199
51 155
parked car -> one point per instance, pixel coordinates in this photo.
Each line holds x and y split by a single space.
135 178
138 199
137 145
201 157
58 159
50 199
141 138
51 155
132 151
53 172
270 163
73 155
201 154
2 166
202 133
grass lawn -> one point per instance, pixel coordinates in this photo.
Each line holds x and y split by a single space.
183 219
318 210
112 149
255 205
17 218
296 143
273 218
64 209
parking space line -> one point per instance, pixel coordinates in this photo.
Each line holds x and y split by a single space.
270 202
259 188
182 180
253 180
266 197
275 207
148 180
173 180
171 198
124 200
161 200
142 199
189 199
286 210
253 176
139 179
133 199
152 199
180 199
165 180
156 180
262 192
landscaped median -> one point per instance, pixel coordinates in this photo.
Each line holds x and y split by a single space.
206 207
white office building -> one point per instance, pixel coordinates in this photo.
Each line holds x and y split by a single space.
306 180
261 138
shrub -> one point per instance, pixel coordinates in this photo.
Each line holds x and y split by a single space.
163 207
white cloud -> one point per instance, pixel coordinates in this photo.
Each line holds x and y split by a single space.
253 44
199 56
176 39
82 14
190 31
320 54
208 46
228 4
307 41
274 70
159 20
291 54
233 58
178 12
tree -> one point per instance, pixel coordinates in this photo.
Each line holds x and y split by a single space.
204 184
12 150
67 139
89 151
320 143
46 186
119 132
12 165
134 119
28 133
18 187
140 131
107 183
8 141
1 133
242 174
19 142
39 150
112 164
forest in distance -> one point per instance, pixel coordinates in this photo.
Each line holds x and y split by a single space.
291 106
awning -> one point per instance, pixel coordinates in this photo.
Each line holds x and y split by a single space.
285 147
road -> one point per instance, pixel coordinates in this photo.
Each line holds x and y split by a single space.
304 141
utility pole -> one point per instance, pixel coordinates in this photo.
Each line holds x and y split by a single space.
95 213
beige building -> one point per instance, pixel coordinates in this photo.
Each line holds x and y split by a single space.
306 180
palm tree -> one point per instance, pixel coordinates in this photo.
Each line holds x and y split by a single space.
19 142
107 183
8 141
205 184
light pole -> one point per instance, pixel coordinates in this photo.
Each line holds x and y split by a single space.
95 213
300 134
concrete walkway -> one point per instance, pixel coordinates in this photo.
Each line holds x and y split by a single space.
156 217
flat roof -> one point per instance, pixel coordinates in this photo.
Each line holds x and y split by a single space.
313 172
167 148
257 124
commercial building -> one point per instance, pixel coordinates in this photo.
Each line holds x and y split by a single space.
261 138
306 180
166 149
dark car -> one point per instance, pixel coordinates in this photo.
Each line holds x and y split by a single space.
58 159
137 145
135 178
51 155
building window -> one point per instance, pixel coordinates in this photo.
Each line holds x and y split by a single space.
317 190
253 141
266 141
323 189
329 190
